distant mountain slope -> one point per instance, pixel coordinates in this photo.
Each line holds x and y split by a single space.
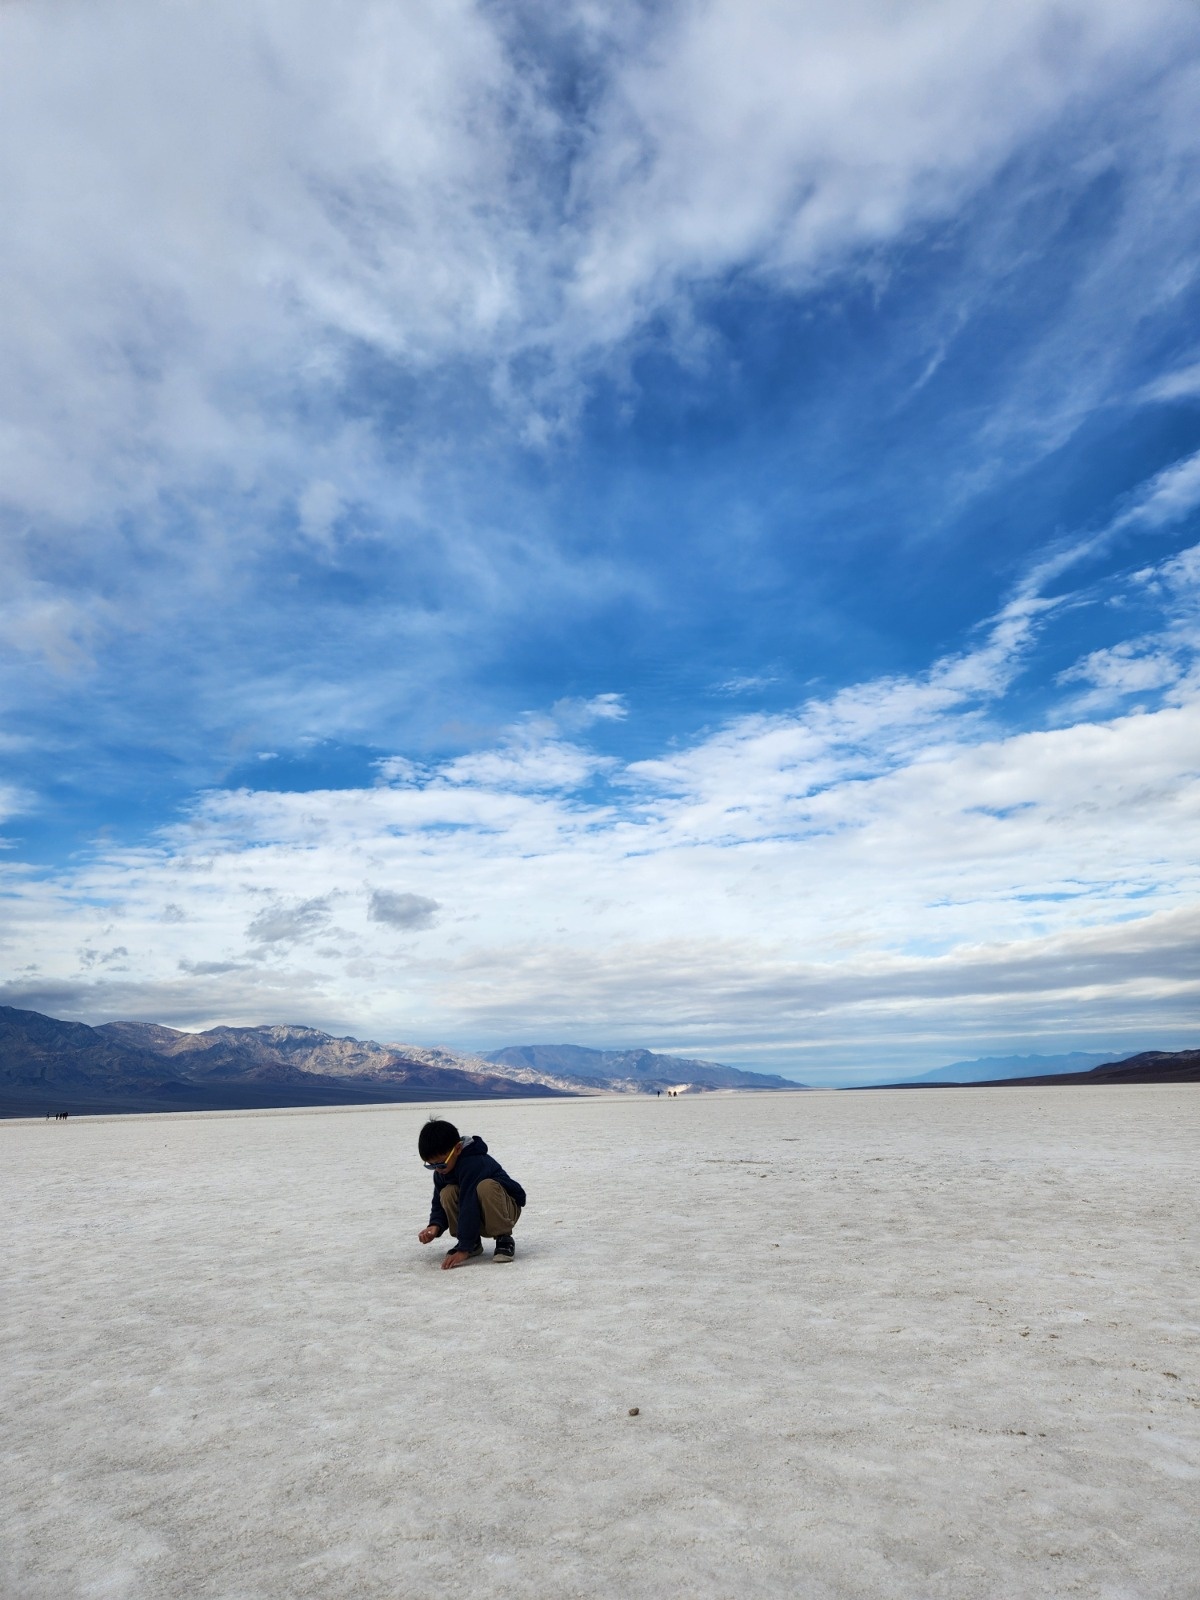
49 1065
280 1048
638 1069
986 1069
441 1056
287 1053
1151 1066
46 1064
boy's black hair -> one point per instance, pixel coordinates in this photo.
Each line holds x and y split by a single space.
437 1138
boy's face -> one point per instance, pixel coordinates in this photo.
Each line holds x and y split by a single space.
445 1163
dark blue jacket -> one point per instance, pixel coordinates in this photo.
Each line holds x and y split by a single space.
473 1165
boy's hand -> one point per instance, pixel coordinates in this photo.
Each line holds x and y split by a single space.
429 1234
458 1259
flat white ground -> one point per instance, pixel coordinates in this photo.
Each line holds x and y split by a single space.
924 1343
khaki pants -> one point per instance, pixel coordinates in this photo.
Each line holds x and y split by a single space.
498 1211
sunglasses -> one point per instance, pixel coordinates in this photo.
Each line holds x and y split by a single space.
436 1166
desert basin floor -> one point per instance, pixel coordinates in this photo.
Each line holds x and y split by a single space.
912 1344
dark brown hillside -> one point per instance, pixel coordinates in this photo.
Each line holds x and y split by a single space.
1152 1066
41 1056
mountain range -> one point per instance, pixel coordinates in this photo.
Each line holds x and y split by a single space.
1150 1066
985 1069
48 1065
635 1069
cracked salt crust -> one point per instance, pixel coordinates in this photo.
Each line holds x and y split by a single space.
943 1344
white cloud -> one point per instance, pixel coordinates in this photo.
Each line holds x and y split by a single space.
747 683
789 136
884 869
1171 495
1131 668
15 801
575 714
211 207
530 759
1182 384
1180 574
862 730
1164 660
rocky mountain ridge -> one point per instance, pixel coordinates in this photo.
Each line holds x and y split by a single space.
634 1070
465 1061
47 1064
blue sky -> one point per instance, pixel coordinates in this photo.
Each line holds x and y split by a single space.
675 527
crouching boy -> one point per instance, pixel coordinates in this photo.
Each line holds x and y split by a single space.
473 1196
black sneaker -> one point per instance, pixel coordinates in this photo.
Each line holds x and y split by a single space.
506 1248
471 1254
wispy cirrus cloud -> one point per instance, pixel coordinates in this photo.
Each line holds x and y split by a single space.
214 233
1170 496
1166 660
1181 384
